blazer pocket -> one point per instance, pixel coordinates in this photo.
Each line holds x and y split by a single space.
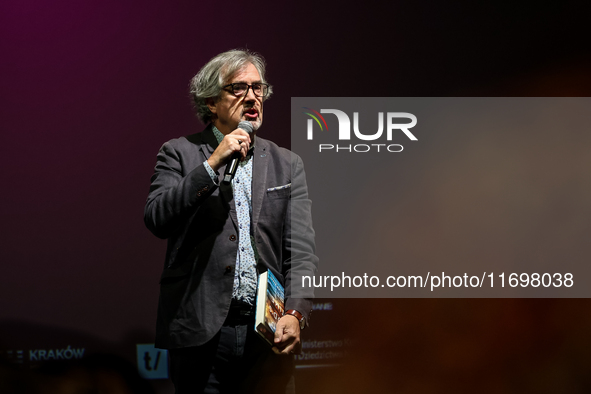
176 273
279 191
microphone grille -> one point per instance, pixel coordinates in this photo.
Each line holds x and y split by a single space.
246 126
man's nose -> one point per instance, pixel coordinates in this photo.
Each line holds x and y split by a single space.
250 96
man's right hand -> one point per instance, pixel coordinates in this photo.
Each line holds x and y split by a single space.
237 141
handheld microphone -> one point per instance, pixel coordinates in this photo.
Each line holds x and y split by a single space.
233 165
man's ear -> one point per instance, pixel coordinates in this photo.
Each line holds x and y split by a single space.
211 105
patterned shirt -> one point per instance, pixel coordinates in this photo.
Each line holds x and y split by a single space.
245 276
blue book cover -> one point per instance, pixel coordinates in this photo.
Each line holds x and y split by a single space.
269 305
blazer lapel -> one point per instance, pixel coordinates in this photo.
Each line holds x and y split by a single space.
210 142
259 179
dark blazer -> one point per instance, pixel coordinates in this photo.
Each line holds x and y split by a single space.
199 220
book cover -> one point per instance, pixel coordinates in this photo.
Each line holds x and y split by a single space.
269 305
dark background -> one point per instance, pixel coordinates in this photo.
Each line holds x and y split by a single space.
91 90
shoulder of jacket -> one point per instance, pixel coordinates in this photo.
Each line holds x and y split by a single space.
188 141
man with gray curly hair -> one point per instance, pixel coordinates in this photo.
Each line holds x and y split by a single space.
223 232
208 82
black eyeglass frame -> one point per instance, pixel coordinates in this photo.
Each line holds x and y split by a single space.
266 85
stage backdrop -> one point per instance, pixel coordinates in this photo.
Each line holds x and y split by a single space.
91 90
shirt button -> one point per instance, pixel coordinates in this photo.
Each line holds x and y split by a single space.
242 249
232 237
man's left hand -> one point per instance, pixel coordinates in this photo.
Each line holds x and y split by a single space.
287 336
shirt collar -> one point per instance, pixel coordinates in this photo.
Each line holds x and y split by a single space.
218 134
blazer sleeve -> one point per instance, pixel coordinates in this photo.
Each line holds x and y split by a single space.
179 185
299 243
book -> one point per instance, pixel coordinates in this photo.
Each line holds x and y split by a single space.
269 306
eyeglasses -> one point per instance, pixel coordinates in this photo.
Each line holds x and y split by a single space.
241 89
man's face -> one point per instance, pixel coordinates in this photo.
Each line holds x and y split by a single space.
229 110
